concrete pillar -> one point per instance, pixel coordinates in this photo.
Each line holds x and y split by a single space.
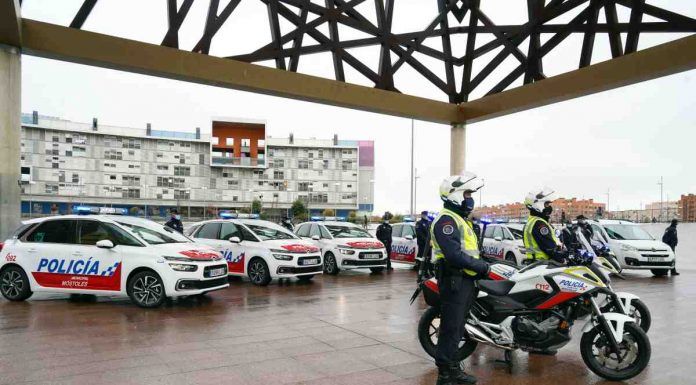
10 124
458 148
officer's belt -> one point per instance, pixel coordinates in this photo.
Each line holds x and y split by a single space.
448 270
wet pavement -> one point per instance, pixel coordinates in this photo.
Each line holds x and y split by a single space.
354 328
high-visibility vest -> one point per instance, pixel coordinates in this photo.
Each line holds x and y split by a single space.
530 244
469 240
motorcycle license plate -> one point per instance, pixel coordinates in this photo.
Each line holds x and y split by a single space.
372 256
218 272
312 261
654 259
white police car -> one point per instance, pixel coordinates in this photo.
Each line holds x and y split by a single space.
404 247
106 255
261 250
504 241
344 245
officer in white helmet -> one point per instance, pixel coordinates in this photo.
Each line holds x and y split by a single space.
456 254
540 239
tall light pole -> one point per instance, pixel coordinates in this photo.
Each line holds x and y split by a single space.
415 192
412 181
661 188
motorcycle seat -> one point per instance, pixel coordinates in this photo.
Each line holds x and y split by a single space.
498 288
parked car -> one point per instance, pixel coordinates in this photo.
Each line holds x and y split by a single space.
404 244
344 245
106 255
634 247
259 249
504 241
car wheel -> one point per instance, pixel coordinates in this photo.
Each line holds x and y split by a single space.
146 289
258 272
659 272
305 278
330 264
14 284
510 257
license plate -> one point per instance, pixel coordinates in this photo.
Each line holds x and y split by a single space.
218 272
314 261
372 256
655 259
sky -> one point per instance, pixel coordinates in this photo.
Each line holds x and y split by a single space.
615 145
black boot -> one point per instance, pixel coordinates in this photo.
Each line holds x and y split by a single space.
453 375
674 272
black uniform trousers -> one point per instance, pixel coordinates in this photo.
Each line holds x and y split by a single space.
457 295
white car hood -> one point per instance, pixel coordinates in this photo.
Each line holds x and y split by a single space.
293 245
194 251
360 243
645 244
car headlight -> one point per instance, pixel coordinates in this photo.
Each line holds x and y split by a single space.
282 257
178 259
183 267
626 247
345 250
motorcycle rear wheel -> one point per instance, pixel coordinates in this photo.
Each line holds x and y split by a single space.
428 330
598 357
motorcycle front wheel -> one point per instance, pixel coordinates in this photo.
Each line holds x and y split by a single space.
598 356
639 312
428 331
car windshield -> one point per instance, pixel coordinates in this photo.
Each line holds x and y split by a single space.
517 233
156 234
627 232
347 232
269 234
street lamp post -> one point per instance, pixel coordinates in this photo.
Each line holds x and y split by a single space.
415 193
205 201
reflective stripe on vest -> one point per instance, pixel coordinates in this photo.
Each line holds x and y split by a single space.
469 241
530 244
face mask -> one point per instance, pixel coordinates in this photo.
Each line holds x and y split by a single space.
468 204
177 217
547 210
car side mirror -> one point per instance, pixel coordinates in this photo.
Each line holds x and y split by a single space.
316 237
409 237
105 244
235 240
498 239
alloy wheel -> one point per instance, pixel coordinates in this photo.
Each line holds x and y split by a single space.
329 264
628 350
12 284
147 290
257 272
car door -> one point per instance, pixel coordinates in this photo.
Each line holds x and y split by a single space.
488 241
397 242
233 252
303 230
107 265
209 234
48 252
508 242
498 245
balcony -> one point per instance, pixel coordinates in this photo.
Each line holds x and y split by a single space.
237 162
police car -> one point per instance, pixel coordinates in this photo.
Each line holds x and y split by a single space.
344 245
259 249
504 241
106 255
404 247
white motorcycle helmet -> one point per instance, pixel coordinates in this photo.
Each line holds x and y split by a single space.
537 199
453 188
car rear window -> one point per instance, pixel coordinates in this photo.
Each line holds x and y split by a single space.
55 231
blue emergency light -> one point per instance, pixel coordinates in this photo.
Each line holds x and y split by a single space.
316 219
227 215
408 219
87 210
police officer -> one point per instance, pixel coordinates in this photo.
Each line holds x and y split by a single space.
175 222
384 234
540 240
422 230
287 223
456 254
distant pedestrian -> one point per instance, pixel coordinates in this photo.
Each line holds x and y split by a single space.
670 238
365 222
175 222
384 234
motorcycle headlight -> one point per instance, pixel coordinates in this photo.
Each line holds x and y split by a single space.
183 267
626 247
345 250
282 257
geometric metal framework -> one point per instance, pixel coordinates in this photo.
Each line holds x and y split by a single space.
454 17
299 28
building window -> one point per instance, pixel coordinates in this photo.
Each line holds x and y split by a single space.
68 139
159 155
75 178
131 152
51 188
326 164
112 177
229 142
303 164
131 193
246 142
347 165
201 158
113 155
235 198
131 143
347 151
68 153
61 176
349 186
54 165
56 139
182 158
182 171
233 184
279 163
277 174
215 140
182 194
163 167
303 186
311 155
320 153
131 180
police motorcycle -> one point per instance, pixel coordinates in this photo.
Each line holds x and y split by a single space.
536 310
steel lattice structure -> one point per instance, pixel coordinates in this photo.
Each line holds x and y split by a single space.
530 59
